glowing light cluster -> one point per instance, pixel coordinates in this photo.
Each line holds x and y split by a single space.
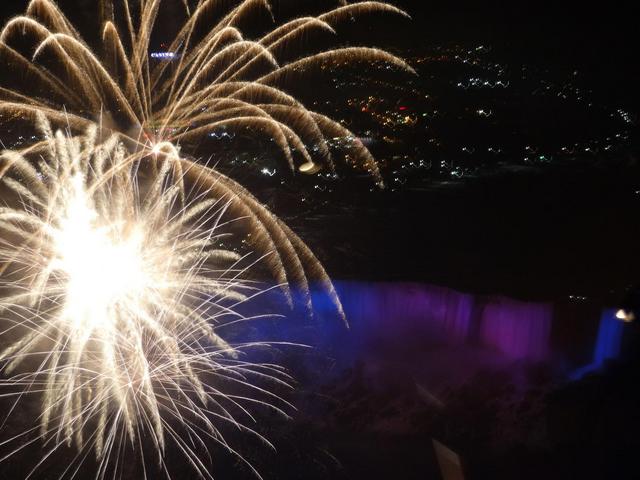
625 315
102 267
163 55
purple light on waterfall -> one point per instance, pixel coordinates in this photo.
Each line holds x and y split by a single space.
398 309
437 335
520 330
387 319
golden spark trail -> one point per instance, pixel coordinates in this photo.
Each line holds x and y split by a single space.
216 78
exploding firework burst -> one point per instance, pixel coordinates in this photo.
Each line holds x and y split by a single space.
114 288
114 280
217 78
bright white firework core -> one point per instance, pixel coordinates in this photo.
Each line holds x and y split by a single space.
103 267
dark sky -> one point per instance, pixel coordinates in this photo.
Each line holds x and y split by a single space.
599 34
612 18
590 24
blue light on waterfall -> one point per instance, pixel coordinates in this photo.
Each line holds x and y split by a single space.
608 343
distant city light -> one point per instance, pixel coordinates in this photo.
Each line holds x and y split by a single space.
220 136
625 316
164 55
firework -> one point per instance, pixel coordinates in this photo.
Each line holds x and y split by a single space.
115 278
216 79
115 284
